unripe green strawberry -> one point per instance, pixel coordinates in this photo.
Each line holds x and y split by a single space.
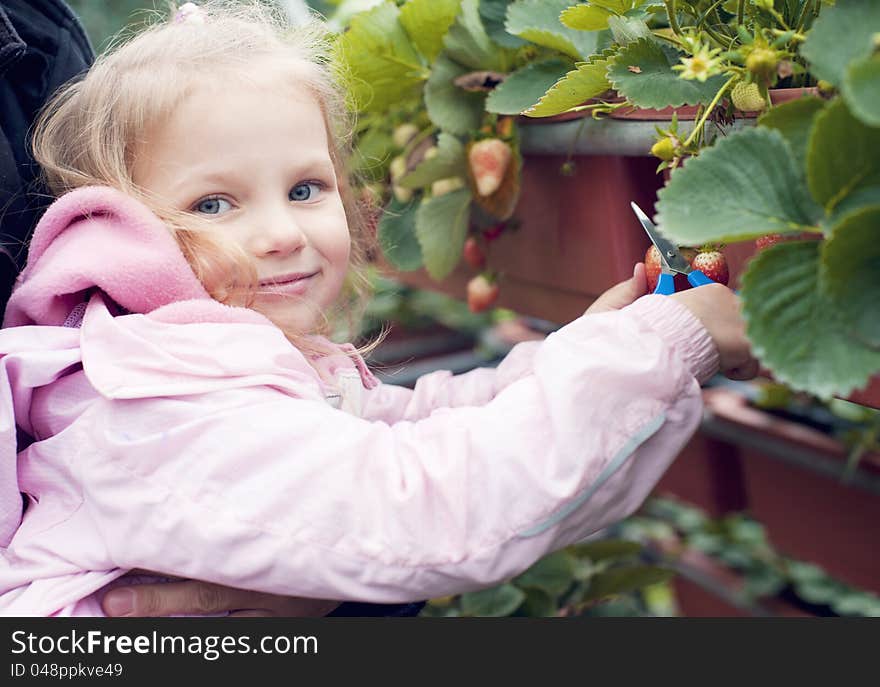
761 62
443 186
747 97
664 149
403 134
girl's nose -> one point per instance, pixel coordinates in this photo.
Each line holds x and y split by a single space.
279 235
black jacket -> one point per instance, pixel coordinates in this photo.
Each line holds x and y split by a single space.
42 45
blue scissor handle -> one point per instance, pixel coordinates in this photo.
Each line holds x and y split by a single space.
665 284
697 278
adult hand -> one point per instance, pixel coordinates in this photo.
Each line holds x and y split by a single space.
192 597
718 308
622 294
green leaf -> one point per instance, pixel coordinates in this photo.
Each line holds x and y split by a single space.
745 186
538 604
449 161
397 236
494 14
851 260
839 36
427 21
449 107
538 21
861 89
496 602
384 68
586 18
626 30
795 327
441 227
843 155
552 574
606 549
468 43
623 580
654 84
587 81
525 87
794 120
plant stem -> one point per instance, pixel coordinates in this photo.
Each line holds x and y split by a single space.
673 22
802 18
699 125
740 12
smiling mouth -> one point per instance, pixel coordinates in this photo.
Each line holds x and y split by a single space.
286 279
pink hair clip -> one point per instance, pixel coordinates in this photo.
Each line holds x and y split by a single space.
189 12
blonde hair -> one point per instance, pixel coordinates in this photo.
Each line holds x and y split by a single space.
91 131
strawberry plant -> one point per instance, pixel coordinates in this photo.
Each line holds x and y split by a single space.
441 87
808 177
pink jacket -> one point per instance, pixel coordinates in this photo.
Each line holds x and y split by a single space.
192 438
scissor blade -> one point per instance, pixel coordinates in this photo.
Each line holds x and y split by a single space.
668 250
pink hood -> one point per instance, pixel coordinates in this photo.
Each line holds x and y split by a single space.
99 237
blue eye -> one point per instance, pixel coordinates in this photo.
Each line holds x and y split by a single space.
305 191
212 206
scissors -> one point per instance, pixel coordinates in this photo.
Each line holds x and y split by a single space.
671 260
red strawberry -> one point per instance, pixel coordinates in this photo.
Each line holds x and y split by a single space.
482 292
767 241
493 232
473 254
488 160
652 267
713 264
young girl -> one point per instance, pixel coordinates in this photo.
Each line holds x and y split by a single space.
162 356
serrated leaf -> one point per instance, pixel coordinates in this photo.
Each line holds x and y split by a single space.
626 30
585 18
745 186
861 89
794 120
441 228
623 580
449 161
397 236
495 602
494 14
384 68
796 329
468 43
842 155
552 574
538 21
606 548
840 35
449 107
587 81
851 262
655 84
427 21
525 87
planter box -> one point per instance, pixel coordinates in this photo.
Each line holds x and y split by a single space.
789 477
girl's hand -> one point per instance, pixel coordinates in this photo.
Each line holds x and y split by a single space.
622 294
718 308
191 597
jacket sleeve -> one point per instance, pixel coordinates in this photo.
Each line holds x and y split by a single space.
442 389
252 488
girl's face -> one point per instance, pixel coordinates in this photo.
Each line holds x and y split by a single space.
255 160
